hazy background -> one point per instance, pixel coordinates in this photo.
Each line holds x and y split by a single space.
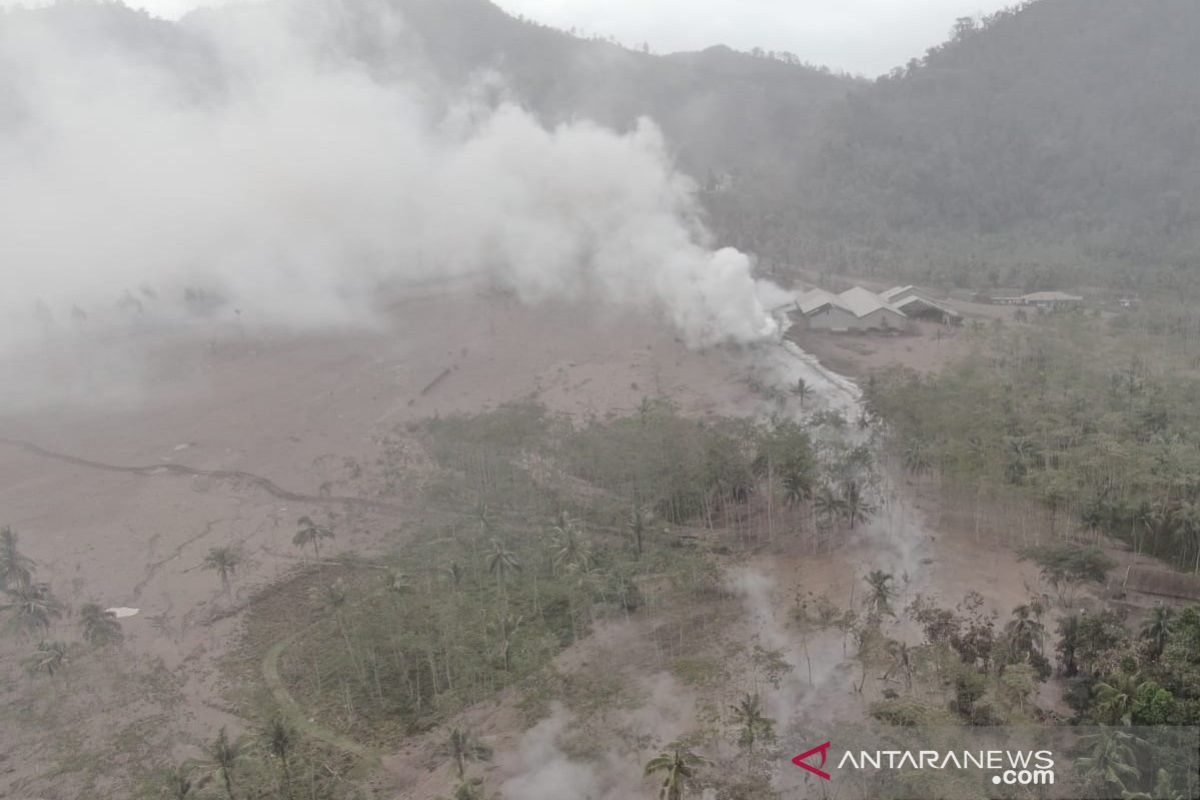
858 36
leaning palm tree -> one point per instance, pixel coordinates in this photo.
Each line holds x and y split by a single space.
15 569
99 626
677 766
224 561
463 748
32 606
279 740
1157 628
879 600
311 534
753 724
223 757
49 657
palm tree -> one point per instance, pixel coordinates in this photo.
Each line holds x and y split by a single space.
879 600
33 606
916 457
1025 630
571 549
507 628
797 487
334 597
828 505
223 757
502 561
677 766
855 505
178 782
1111 760
224 561
279 740
802 391
754 725
310 533
461 746
49 657
15 569
1114 699
637 526
469 790
1157 628
100 627
901 661
1068 644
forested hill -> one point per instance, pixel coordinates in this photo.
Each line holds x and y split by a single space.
1065 132
1056 142
1052 144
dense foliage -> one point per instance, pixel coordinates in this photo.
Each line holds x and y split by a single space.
1063 415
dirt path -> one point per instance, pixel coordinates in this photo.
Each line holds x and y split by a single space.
295 712
232 475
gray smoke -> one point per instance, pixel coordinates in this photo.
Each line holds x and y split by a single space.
276 170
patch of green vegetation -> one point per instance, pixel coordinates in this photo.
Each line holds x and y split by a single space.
544 529
698 671
1068 417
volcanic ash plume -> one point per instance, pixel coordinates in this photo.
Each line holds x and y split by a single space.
252 154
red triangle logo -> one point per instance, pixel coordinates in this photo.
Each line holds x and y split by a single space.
799 760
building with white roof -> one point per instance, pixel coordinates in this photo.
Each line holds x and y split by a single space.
918 304
855 309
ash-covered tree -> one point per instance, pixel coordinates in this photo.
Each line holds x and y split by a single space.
16 569
677 766
99 626
310 534
31 607
224 561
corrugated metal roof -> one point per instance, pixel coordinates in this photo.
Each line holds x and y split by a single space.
814 299
904 303
860 302
1049 297
896 291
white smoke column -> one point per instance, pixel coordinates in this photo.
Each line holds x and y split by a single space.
545 772
268 164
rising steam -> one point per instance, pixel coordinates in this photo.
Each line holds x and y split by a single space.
254 156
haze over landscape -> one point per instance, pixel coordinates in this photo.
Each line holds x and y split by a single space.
412 399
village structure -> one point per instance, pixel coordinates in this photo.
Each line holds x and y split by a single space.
859 309
894 310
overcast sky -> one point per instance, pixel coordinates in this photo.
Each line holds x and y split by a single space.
860 36
867 36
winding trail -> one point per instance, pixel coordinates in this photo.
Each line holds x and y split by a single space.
231 475
295 712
